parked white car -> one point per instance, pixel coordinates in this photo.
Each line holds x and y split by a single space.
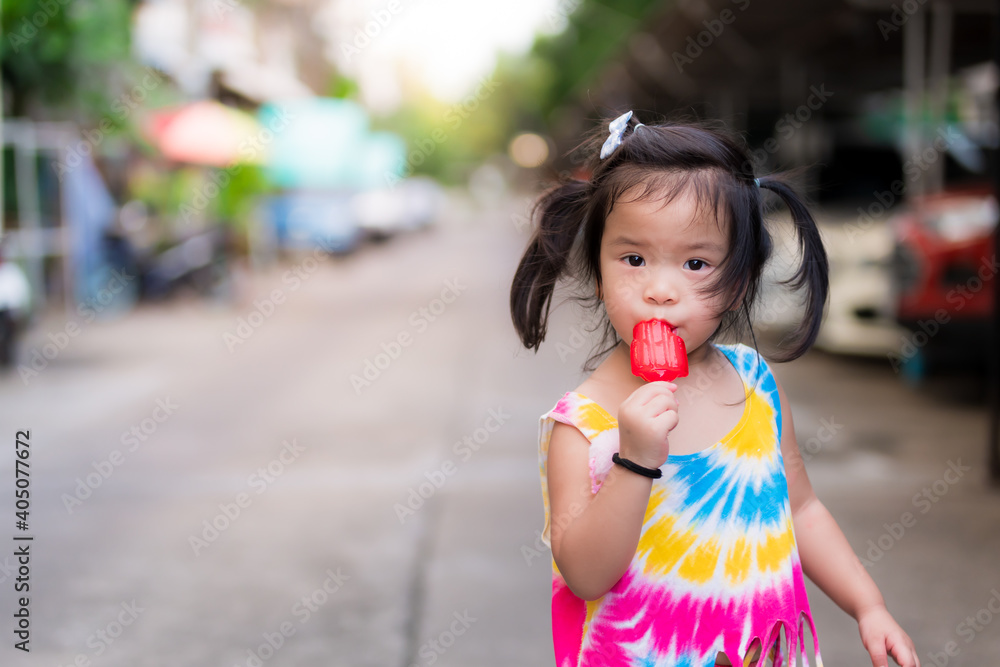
409 205
860 317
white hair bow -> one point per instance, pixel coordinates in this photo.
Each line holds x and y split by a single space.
617 127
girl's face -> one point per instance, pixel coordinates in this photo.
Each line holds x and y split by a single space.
656 257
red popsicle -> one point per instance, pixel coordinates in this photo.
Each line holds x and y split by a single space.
657 352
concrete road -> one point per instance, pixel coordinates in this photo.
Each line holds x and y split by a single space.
341 469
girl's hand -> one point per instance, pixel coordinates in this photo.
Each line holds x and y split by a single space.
644 420
880 635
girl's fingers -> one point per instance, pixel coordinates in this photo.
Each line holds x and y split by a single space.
651 390
662 389
905 654
878 656
668 419
659 404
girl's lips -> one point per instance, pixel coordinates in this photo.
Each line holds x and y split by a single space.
670 326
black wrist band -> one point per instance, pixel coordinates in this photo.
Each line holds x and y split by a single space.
636 468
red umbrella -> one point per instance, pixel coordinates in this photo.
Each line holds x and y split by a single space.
207 133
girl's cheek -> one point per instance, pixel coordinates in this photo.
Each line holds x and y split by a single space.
625 291
629 283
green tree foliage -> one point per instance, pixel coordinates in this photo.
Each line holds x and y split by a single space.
596 33
448 140
239 195
65 58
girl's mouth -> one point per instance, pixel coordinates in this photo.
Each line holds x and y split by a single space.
669 325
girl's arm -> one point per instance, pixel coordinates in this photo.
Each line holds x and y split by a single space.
594 536
828 560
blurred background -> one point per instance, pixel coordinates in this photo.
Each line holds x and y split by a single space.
254 268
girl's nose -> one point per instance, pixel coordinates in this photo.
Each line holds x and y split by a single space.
661 289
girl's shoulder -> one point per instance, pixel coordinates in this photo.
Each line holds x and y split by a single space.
608 386
592 407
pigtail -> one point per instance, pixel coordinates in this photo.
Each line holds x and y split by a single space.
813 272
560 214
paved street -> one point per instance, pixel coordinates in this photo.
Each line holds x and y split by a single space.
341 469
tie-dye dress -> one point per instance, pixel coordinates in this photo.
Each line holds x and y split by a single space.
716 565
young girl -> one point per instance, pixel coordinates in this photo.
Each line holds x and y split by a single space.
688 548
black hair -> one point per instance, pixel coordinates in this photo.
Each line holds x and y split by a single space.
662 161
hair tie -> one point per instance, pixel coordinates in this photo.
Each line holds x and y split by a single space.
756 182
617 127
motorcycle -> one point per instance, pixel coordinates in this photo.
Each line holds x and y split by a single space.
15 309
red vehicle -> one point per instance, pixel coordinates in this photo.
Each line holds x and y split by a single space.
945 269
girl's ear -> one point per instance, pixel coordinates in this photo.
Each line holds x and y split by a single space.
597 290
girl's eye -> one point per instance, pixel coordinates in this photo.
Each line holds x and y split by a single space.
634 260
695 264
